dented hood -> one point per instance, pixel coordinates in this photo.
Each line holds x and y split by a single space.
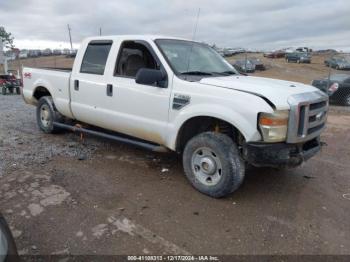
276 91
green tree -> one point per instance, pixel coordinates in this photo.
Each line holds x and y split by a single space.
6 38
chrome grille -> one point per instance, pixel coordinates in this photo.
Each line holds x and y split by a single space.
308 115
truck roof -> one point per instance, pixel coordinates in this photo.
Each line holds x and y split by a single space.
132 37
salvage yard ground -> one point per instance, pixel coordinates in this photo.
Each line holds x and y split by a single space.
63 195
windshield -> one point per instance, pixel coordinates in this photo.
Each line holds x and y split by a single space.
342 59
191 57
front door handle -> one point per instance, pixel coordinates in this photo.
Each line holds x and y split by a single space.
76 84
109 90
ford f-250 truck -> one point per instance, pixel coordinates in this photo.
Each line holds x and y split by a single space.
169 93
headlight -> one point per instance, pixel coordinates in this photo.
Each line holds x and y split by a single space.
274 126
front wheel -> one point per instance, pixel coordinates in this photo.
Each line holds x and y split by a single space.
213 165
3 90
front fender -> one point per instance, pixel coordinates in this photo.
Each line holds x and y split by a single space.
246 124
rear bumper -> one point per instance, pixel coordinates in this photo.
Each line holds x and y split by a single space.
280 155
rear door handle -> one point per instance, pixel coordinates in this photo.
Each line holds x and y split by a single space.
76 84
109 90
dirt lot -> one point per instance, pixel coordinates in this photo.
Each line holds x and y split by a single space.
62 195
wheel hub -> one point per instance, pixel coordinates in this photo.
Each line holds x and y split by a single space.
45 116
206 166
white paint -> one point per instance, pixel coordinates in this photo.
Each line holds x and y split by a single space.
230 98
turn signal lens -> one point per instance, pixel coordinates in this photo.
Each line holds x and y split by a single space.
274 126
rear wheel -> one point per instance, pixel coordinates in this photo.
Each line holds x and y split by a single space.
46 115
3 90
213 165
18 90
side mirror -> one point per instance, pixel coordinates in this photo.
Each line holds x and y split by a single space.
148 76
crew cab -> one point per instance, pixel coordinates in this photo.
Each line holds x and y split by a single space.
167 93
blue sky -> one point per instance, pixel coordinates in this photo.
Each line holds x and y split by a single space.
255 24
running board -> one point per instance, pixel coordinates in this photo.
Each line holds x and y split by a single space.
149 146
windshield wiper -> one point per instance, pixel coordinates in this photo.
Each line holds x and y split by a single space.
197 73
225 73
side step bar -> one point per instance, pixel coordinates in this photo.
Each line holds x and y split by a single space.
149 146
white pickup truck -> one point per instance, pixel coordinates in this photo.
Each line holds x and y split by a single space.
167 93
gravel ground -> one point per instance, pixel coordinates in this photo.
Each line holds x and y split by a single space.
64 195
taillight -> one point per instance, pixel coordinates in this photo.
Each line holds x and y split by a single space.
334 87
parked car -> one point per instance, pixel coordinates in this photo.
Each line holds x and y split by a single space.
33 53
169 94
23 54
275 54
259 65
46 52
304 49
245 66
8 249
299 57
66 51
337 87
338 62
72 53
57 52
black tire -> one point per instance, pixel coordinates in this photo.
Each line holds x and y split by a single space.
11 90
45 119
231 174
346 100
18 90
3 90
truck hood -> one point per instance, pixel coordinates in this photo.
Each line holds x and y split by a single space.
276 91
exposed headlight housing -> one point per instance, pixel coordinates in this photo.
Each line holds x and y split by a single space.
274 126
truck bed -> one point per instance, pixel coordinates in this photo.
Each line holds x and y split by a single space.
56 82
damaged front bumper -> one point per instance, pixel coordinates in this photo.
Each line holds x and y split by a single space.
279 155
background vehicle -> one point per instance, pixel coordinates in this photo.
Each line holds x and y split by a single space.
8 249
338 62
245 66
57 52
259 65
275 54
340 84
34 53
23 54
46 52
298 57
9 83
65 51
166 93
72 53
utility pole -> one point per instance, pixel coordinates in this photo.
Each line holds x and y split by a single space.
100 31
196 25
70 37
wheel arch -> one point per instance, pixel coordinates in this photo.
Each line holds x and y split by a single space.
41 91
196 124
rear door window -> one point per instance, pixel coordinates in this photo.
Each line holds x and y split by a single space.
95 57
